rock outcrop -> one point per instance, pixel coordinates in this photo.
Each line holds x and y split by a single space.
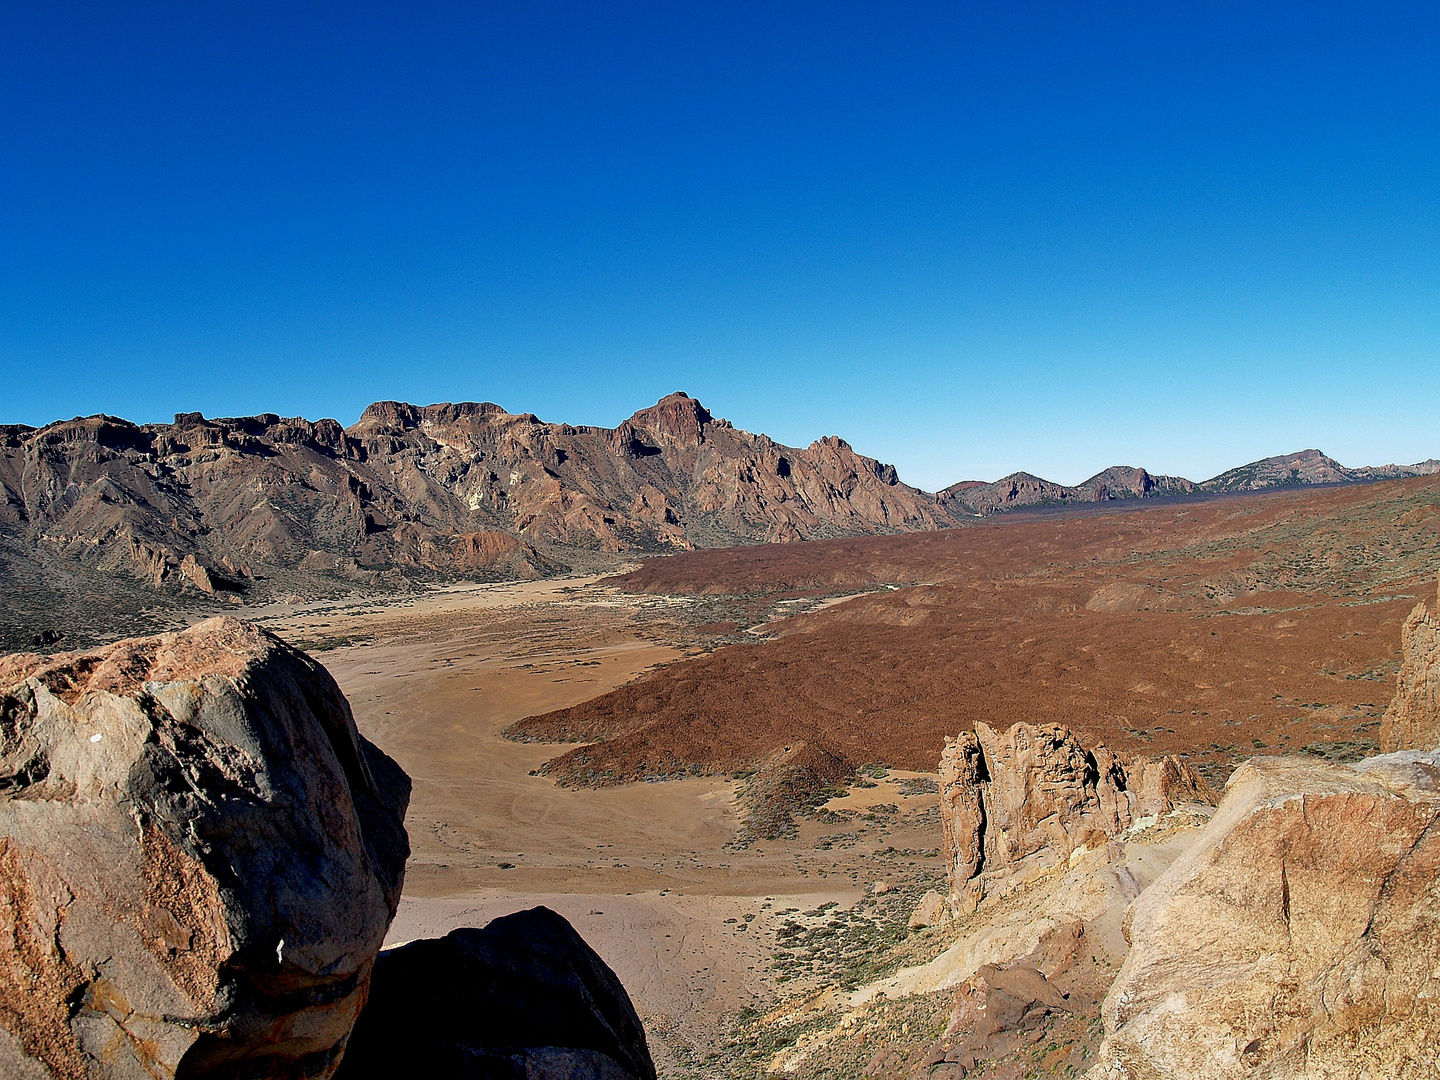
1014 805
199 858
1299 936
1412 722
523 999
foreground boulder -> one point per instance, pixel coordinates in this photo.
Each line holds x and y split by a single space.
1412 722
523 999
1014 805
1298 937
199 858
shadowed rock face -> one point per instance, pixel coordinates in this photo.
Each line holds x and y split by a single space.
1016 804
199 858
523 999
1412 722
1298 937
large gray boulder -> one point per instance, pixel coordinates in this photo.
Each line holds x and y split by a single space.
199 858
525 998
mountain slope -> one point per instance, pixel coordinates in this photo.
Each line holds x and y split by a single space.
465 488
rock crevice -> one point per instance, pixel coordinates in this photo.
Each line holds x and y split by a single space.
1017 804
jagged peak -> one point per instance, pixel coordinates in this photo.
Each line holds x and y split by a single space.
385 414
677 418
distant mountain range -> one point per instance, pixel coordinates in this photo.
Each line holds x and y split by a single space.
220 505
1308 467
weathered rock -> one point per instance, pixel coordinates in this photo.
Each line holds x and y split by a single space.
1412 722
1014 805
930 911
523 999
199 857
1298 937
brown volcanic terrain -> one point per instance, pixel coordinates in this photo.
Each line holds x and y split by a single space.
1206 629
263 507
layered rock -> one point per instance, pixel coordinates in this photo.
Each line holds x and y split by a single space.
1014 805
199 858
1412 722
525 998
1298 937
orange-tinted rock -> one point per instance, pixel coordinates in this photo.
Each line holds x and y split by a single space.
1412 722
199 858
1299 936
1013 805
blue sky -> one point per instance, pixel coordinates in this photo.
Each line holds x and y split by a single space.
971 238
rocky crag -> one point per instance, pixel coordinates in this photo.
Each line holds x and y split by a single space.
1292 934
1412 722
199 859
1014 806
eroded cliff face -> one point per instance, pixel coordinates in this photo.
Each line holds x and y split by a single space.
1299 936
433 487
1412 722
1013 806
199 858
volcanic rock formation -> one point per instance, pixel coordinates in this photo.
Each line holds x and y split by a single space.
411 486
1299 936
199 858
524 998
1412 722
1014 805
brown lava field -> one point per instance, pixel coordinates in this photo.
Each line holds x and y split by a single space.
1214 629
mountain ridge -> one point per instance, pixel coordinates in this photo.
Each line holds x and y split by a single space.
218 506
1303 468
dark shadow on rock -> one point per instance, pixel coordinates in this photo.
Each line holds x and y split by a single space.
523 999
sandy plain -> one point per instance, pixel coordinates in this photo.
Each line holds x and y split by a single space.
648 873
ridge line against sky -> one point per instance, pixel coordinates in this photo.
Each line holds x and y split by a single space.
970 239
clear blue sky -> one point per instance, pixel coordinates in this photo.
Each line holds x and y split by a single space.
971 238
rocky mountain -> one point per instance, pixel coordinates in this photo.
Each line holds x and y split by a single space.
1309 467
970 497
210 505
975 497
265 507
